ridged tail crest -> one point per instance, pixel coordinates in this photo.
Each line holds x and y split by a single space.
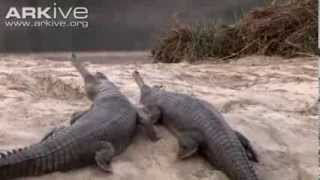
32 161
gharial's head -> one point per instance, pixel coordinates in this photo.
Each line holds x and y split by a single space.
101 79
94 84
147 93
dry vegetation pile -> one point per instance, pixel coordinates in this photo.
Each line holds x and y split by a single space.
287 30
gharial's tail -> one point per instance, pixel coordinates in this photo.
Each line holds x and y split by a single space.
32 161
19 163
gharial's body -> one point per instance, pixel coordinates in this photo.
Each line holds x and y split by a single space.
198 127
94 136
77 145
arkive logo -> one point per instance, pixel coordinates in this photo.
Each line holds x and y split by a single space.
53 12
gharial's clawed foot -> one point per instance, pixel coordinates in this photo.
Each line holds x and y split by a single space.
104 156
188 144
186 153
105 166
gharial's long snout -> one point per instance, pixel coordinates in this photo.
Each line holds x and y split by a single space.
79 66
137 77
91 83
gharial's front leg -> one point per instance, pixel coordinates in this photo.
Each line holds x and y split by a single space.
104 156
147 117
189 141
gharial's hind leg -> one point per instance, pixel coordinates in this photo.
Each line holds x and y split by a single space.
188 144
252 156
104 156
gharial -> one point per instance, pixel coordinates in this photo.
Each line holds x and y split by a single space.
94 136
198 127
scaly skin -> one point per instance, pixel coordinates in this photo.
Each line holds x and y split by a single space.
75 146
198 127
95 136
